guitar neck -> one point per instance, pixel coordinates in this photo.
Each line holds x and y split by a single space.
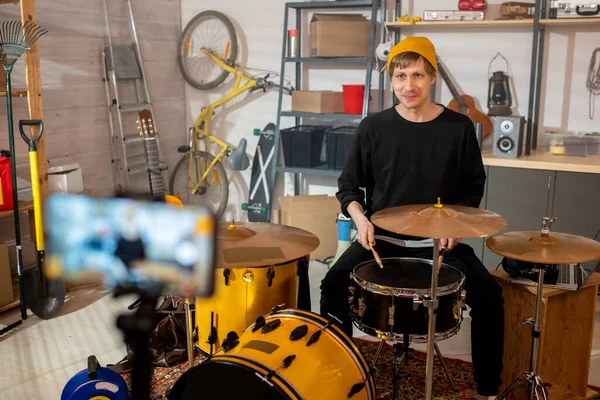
156 181
455 95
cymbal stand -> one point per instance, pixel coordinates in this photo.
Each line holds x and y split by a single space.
432 304
189 330
537 388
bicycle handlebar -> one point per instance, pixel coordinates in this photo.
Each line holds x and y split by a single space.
264 85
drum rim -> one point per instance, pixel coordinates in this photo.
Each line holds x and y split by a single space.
406 292
274 265
393 336
351 347
227 359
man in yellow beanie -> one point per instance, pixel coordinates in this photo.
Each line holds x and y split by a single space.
413 153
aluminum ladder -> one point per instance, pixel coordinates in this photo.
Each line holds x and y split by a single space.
133 160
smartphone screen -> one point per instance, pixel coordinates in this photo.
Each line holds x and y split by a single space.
128 242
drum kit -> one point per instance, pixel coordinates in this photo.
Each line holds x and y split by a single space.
287 353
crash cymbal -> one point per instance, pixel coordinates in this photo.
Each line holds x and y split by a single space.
556 248
255 244
439 221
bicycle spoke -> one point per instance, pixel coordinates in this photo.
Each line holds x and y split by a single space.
213 31
211 192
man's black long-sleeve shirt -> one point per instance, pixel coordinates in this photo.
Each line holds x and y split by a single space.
400 162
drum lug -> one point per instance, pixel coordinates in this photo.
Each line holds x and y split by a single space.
259 323
270 275
226 273
285 364
315 336
271 326
392 312
230 341
362 307
298 332
416 302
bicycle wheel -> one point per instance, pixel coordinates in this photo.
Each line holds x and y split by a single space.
211 30
213 193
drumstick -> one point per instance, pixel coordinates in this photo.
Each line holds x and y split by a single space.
376 255
441 257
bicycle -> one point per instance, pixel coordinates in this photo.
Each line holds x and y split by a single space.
202 170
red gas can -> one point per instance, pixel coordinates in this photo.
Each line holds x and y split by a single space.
6 189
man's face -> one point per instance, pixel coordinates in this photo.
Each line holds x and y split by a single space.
411 85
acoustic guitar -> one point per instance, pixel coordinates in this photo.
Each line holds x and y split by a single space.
146 127
465 104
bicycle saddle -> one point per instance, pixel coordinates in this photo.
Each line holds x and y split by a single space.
238 160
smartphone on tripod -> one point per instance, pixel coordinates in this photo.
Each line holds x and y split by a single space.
125 242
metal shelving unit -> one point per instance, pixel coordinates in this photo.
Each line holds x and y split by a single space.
537 25
370 63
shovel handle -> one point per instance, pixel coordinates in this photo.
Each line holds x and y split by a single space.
31 142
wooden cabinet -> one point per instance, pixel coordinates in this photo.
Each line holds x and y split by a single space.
567 326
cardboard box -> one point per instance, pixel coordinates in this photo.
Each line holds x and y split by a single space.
323 101
339 35
316 214
65 179
6 287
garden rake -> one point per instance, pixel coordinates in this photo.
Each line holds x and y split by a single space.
15 39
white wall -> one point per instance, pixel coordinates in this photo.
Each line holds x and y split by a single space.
466 54
73 94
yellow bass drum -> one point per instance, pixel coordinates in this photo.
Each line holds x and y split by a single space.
293 354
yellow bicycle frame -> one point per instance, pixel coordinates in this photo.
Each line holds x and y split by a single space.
243 82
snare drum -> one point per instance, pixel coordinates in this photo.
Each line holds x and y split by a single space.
388 302
277 361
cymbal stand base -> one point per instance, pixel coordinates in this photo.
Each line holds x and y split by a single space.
537 388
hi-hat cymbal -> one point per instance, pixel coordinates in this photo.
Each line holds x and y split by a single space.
439 221
255 244
556 248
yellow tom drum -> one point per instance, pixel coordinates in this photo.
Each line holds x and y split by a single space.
243 294
293 354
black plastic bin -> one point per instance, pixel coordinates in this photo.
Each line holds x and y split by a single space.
302 145
339 140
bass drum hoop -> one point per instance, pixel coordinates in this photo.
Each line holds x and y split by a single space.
339 336
407 292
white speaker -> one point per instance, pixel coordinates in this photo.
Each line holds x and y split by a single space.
508 136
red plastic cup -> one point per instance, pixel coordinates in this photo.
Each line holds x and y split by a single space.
354 96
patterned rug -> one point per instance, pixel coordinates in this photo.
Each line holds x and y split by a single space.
411 388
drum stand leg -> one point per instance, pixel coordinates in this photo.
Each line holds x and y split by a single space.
437 350
377 353
537 388
400 359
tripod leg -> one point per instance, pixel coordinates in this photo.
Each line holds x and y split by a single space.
437 350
